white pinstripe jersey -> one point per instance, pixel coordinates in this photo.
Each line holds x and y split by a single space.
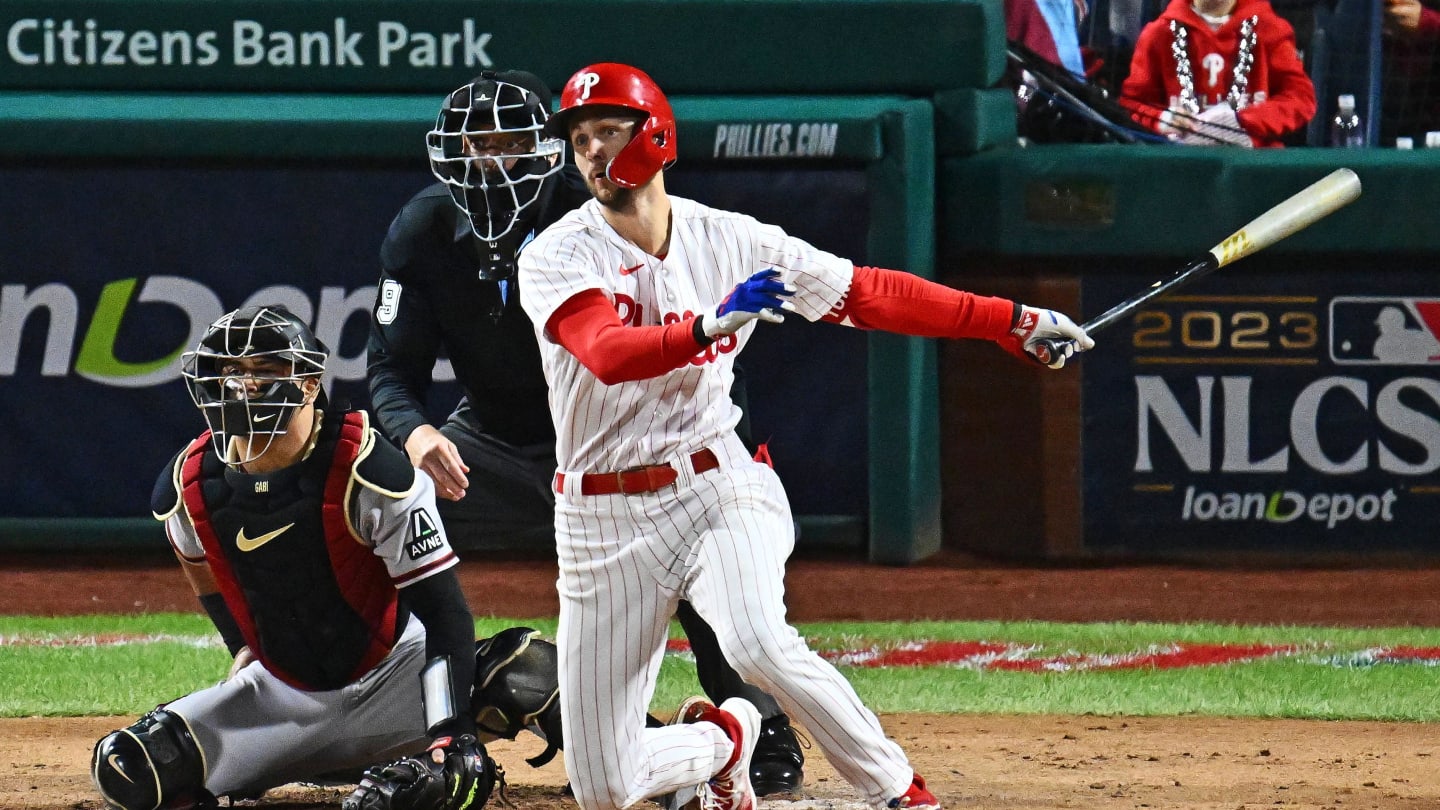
601 427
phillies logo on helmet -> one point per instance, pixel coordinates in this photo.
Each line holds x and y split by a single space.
587 81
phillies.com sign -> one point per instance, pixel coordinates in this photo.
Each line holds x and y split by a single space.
1250 418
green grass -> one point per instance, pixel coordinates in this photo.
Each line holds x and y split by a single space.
132 678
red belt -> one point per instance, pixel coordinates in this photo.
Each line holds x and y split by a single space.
638 479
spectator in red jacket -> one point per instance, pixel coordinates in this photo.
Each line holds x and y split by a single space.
1219 72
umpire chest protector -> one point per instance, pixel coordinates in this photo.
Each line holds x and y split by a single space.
314 603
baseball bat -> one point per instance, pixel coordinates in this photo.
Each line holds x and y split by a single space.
1301 210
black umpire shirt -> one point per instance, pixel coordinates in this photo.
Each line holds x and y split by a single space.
431 300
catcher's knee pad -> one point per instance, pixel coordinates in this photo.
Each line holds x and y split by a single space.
154 764
517 686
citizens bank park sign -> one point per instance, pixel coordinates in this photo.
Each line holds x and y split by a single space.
1247 414
394 45
187 42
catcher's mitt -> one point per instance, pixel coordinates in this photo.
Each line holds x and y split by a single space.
453 774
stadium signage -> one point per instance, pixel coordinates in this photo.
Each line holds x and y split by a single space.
50 42
91 345
782 139
1261 420
388 46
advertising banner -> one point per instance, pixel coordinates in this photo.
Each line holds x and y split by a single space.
1277 405
110 272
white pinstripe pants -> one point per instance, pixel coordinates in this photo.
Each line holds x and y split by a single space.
720 540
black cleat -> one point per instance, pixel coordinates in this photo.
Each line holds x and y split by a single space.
778 765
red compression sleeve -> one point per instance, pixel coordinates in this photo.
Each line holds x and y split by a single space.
892 301
589 328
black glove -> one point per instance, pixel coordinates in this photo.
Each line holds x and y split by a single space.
454 773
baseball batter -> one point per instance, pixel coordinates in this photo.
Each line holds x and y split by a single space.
642 302
315 548
448 289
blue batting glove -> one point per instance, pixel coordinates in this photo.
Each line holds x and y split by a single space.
760 297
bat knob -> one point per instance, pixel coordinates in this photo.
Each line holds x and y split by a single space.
1045 350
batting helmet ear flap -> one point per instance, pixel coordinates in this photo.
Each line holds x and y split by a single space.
650 152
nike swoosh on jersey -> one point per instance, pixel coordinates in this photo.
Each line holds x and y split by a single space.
114 760
248 544
625 271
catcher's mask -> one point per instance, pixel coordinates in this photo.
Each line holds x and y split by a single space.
490 150
249 376
652 148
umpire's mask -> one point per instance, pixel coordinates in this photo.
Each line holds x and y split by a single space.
489 149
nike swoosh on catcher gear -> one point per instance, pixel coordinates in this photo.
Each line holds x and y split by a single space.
114 760
247 544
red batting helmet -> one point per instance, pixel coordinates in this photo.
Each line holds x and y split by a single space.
611 84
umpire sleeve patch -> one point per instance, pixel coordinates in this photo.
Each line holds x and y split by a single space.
424 536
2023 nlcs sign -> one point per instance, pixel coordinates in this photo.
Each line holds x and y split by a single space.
1251 416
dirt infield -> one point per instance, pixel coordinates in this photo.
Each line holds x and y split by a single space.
1190 763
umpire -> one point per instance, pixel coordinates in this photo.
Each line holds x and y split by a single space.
448 287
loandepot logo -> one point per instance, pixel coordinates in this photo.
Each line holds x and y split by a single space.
1286 506
132 300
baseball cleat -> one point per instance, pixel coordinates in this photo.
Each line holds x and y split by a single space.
729 788
778 765
691 709
687 713
916 796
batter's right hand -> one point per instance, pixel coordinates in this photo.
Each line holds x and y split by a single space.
760 297
430 451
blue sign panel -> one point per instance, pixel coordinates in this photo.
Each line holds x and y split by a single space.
110 272
1277 405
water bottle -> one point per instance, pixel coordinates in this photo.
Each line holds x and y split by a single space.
1345 130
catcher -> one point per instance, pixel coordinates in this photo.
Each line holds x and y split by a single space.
317 551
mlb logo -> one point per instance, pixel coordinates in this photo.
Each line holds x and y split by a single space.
1384 331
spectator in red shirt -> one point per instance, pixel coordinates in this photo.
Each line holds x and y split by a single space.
1219 72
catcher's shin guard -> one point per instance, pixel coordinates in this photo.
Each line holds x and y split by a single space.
517 686
154 764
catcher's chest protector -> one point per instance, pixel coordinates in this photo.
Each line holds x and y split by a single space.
314 604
